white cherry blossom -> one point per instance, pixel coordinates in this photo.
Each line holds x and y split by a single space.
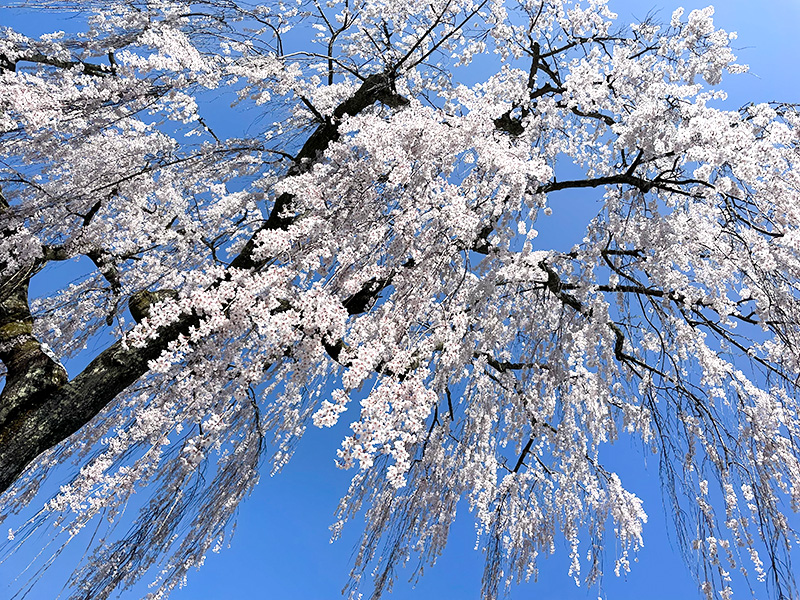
361 231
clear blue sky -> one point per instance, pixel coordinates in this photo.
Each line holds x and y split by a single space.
281 549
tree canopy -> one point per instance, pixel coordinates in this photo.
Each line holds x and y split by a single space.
361 234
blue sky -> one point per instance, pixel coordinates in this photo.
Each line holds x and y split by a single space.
281 548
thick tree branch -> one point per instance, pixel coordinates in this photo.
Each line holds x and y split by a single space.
376 88
43 410
52 415
38 58
31 372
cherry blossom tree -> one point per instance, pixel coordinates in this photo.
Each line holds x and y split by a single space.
367 240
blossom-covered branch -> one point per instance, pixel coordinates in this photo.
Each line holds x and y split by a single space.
371 237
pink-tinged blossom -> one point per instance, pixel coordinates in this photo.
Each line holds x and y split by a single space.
364 230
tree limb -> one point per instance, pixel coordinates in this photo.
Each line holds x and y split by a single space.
46 410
